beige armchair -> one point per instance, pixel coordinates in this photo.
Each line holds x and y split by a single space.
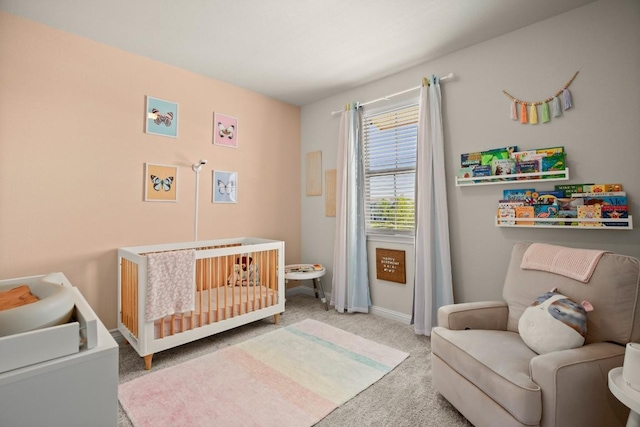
483 367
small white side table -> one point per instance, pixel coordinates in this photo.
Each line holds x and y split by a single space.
292 272
626 395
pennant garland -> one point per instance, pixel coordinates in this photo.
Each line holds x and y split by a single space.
532 115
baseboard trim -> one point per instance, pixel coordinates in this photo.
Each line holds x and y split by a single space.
378 311
390 314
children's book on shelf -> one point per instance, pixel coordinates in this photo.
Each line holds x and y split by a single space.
518 194
545 211
554 162
568 214
482 171
569 203
615 212
547 197
503 167
498 153
522 156
506 216
616 198
528 166
589 212
569 189
524 212
470 159
603 188
550 151
466 172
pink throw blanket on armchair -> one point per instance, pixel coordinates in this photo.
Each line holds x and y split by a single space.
575 263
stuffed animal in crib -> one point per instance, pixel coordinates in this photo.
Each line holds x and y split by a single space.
554 322
245 273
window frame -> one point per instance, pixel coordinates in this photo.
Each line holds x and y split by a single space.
374 232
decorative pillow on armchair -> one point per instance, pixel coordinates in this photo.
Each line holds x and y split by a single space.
554 322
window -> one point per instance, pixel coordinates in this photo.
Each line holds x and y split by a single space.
390 141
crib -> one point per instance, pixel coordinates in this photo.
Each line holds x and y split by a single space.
238 281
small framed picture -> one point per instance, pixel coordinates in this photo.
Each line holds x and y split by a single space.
161 183
225 130
225 187
161 117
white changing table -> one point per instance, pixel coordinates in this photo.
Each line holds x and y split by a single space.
76 390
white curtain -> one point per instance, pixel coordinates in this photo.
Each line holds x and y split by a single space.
350 285
433 284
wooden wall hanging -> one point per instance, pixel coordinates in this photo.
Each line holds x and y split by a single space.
314 173
330 192
390 265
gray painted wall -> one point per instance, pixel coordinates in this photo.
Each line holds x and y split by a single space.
601 135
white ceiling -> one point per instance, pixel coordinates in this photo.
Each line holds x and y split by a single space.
298 51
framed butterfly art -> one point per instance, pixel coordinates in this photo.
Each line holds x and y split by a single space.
161 183
225 187
225 130
161 117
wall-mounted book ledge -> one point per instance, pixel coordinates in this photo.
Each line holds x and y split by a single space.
574 223
518 178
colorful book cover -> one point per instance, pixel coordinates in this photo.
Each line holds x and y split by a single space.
568 214
606 200
569 189
505 203
589 212
602 188
602 194
615 212
524 212
550 151
518 194
522 156
528 166
465 172
470 159
507 216
545 211
499 153
503 167
555 162
548 197
483 170
569 203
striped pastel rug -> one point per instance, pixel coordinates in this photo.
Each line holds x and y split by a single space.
293 376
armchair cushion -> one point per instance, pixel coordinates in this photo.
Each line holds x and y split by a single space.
497 362
554 322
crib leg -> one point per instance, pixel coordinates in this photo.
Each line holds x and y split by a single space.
147 361
276 318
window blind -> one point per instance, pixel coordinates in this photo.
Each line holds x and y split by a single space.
389 144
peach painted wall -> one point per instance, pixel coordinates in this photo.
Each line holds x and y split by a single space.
73 149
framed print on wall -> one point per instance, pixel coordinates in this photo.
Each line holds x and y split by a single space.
160 183
225 187
225 130
161 118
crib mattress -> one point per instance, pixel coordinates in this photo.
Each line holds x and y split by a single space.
215 305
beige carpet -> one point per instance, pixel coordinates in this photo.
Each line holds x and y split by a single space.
404 397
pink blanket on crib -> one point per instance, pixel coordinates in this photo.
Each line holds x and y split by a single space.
574 263
171 283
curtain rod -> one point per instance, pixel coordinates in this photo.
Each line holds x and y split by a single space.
386 98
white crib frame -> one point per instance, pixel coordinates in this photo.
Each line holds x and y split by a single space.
146 344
